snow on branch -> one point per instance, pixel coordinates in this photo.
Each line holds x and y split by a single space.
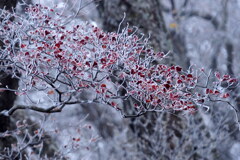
61 62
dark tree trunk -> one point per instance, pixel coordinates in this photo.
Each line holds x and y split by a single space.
147 15
7 98
9 5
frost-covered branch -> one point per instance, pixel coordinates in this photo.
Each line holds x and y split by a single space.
62 62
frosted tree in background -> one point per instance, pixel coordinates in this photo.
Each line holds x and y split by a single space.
195 32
